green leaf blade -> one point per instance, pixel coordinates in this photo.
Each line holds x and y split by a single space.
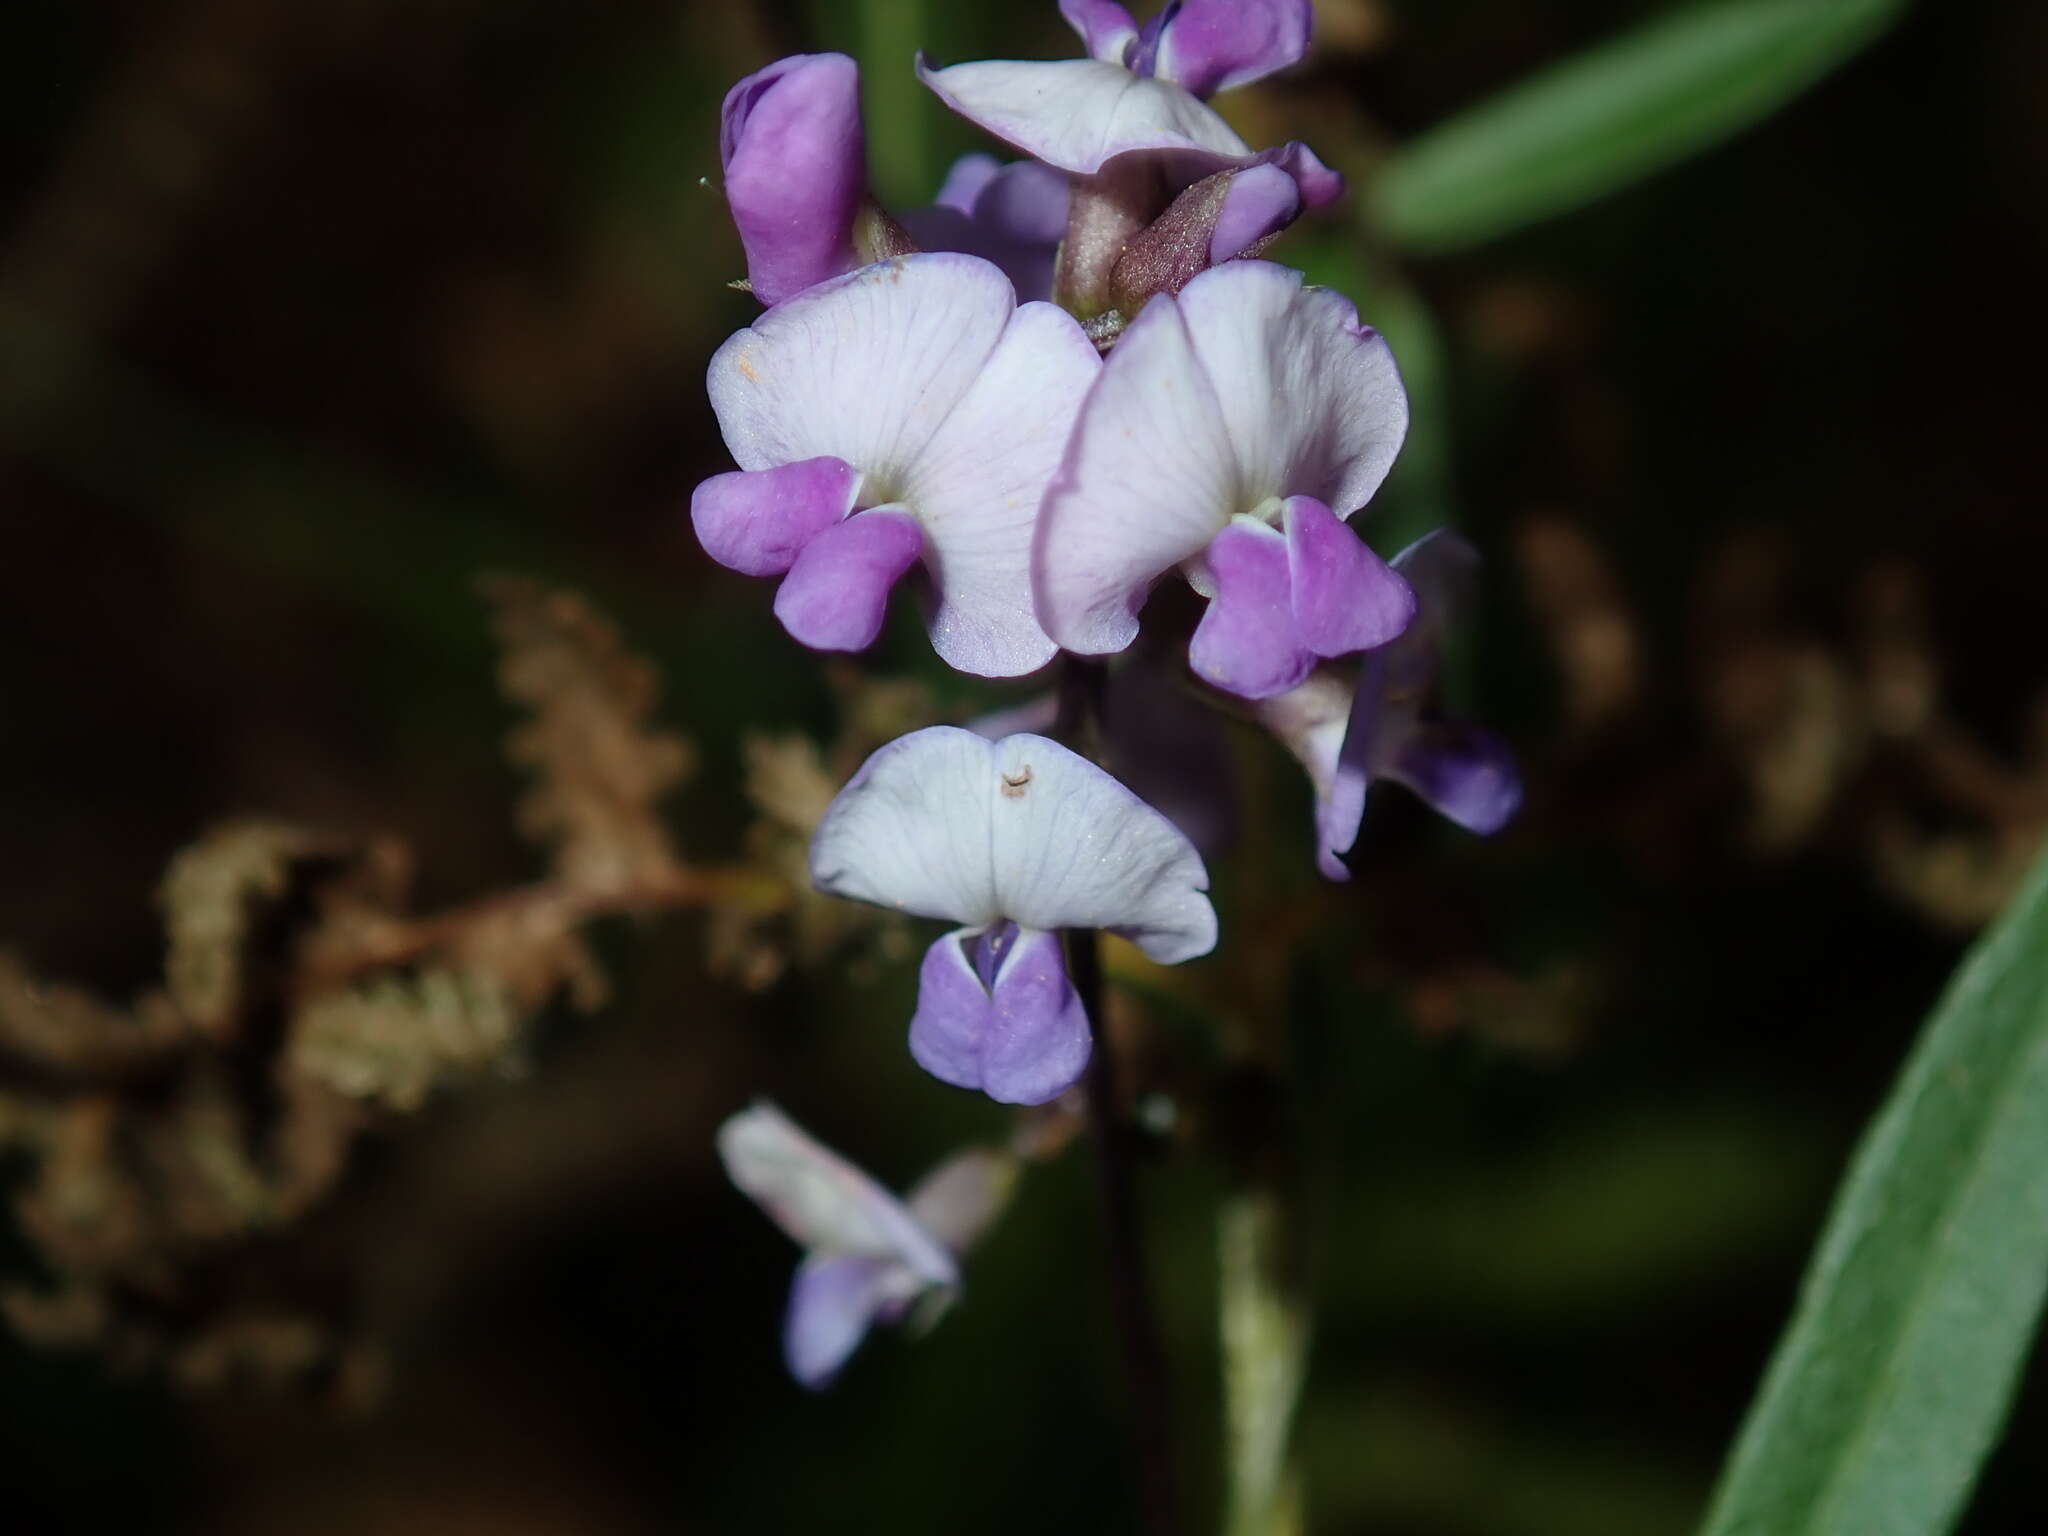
1888 1389
1615 114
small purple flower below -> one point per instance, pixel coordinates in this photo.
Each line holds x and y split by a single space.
869 1257
1013 840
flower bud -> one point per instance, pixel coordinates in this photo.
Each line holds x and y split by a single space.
795 171
1230 214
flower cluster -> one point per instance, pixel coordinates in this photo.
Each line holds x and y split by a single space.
1071 380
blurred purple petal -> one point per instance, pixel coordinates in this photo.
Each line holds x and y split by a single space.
964 180
795 171
1013 215
1213 45
1463 772
833 1302
820 1199
837 592
1172 750
756 520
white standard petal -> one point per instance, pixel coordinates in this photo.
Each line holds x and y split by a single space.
1073 848
1075 114
1149 479
1311 397
863 368
978 483
820 1199
911 830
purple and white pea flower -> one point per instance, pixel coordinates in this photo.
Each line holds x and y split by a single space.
1141 90
910 411
1013 840
1129 125
1233 429
1348 735
869 1257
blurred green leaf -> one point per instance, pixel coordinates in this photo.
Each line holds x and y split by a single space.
1629 107
1888 1389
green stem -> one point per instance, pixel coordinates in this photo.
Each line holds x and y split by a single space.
1265 1334
896 108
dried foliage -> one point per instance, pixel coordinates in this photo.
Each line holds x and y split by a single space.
598 770
172 1145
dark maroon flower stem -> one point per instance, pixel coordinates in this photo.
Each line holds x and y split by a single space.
1080 723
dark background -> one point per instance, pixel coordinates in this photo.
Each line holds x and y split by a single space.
309 313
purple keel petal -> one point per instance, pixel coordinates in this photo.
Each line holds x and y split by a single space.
795 170
1037 1045
832 1303
1246 643
755 521
1022 1039
1104 27
1345 597
1212 45
953 1009
836 593
1463 772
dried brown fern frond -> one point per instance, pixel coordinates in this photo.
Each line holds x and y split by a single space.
176 1147
600 770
